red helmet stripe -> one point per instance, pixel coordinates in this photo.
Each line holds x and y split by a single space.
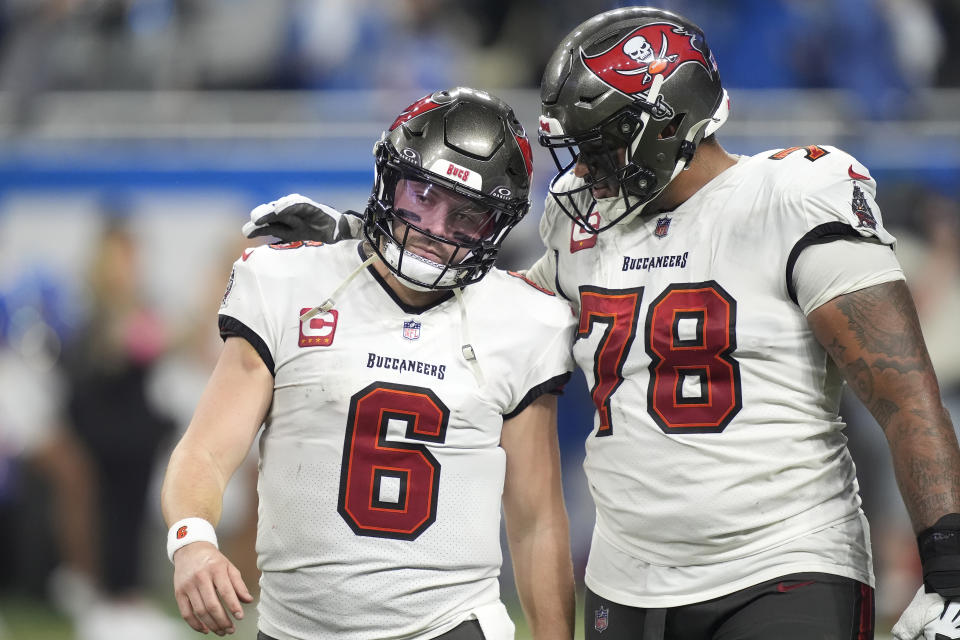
527 153
422 105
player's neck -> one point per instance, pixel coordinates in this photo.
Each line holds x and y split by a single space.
405 293
709 161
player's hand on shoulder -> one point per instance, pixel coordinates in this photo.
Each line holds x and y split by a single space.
929 617
296 217
207 586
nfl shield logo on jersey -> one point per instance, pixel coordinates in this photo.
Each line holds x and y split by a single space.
411 329
601 618
663 227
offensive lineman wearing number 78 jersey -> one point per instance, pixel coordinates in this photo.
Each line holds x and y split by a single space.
722 301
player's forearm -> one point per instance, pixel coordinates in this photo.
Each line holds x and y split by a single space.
193 485
536 520
544 576
874 336
224 425
926 461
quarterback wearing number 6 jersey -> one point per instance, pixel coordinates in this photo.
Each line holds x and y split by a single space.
381 470
407 389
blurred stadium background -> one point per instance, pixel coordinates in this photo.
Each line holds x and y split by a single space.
135 135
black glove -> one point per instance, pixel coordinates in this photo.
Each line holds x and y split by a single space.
940 556
296 217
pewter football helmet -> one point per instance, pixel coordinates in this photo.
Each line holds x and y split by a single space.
638 80
469 144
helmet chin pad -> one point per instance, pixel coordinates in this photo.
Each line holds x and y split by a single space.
416 272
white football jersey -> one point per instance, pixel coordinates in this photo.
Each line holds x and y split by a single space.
716 436
380 467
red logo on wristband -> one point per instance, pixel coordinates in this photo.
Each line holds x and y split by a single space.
182 532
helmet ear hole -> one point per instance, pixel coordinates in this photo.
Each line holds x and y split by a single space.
670 131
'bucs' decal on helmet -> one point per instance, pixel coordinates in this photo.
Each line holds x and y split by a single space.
422 105
630 65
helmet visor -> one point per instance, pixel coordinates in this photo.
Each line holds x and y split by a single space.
444 213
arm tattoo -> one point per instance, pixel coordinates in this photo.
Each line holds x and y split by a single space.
900 367
837 350
883 320
859 376
875 339
883 411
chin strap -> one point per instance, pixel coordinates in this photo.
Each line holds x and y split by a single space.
327 304
466 348
653 93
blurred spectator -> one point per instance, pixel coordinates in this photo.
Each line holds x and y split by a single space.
917 39
26 64
815 44
929 249
947 14
33 442
356 44
878 49
224 44
108 363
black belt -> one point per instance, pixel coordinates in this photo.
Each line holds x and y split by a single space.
467 630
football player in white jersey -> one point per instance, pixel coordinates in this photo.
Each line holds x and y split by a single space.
400 408
723 301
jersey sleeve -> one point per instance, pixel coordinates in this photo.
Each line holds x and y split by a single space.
543 272
554 229
243 312
845 193
825 271
835 199
550 358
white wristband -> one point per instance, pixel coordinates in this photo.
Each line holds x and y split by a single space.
188 530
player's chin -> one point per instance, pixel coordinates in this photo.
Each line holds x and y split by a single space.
604 189
428 255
